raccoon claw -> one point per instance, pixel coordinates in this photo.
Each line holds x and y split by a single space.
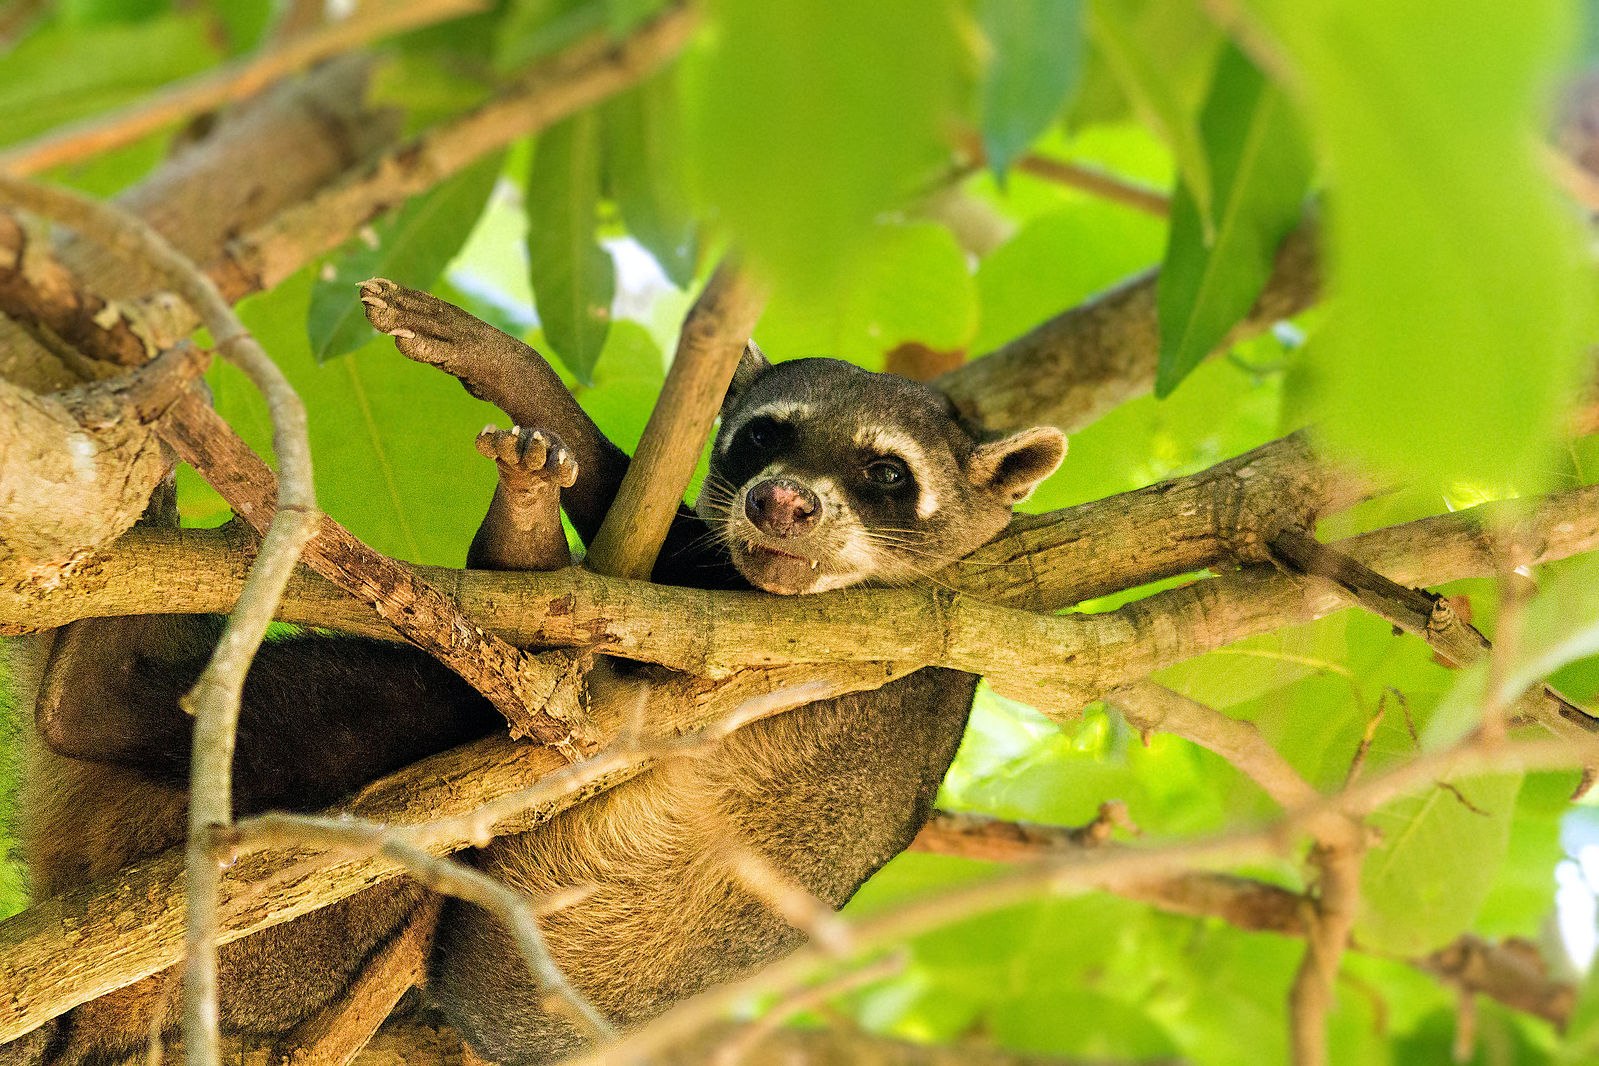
528 458
424 327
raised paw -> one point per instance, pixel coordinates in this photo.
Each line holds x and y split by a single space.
528 458
424 327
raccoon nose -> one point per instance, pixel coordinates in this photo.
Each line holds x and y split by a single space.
782 507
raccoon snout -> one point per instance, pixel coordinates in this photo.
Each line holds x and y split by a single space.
781 507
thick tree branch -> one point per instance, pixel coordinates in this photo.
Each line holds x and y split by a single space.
1073 368
215 699
265 155
1085 654
578 77
453 785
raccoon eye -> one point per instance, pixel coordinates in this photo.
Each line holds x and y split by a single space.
761 433
886 472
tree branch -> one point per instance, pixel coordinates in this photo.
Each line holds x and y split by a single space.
714 334
106 955
224 85
1103 352
214 700
576 78
1513 972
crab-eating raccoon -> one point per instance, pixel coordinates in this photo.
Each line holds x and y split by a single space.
822 475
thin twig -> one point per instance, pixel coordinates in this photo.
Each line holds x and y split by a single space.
737 1049
714 334
214 700
1435 621
228 84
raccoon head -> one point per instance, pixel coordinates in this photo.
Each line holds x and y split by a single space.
825 475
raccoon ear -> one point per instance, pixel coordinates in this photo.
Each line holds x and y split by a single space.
751 365
1013 466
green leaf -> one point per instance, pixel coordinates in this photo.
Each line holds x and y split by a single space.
624 16
1438 860
1465 300
1056 261
907 283
1259 168
1181 41
810 117
1114 29
530 30
574 279
1037 47
644 174
62 74
412 247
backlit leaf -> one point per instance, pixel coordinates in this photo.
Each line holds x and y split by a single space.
1440 854
1259 169
574 279
810 117
412 247
1036 50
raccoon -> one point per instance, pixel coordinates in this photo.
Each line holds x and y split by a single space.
822 475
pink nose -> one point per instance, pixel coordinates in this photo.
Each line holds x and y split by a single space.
781 507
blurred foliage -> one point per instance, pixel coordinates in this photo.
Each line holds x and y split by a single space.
820 139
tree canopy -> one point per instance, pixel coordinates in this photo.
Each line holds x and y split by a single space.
1178 229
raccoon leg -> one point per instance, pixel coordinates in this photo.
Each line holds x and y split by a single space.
497 367
522 530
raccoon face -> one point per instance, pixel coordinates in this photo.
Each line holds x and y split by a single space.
825 475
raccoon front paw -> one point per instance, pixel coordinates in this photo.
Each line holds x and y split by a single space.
424 327
528 458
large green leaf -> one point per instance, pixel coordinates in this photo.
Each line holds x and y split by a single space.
1439 858
62 74
412 247
1058 260
574 279
644 174
1259 169
1036 48
811 117
1463 298
906 283
1153 96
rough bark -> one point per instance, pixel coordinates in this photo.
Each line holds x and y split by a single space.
1102 353
130 926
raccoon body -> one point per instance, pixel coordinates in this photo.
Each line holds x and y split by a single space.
822 476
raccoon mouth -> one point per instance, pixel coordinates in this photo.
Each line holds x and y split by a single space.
763 549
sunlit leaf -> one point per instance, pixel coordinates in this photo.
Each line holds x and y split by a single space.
810 117
1056 261
413 247
644 174
1115 33
1259 168
1036 49
1464 305
1440 854
574 279
905 283
60 75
